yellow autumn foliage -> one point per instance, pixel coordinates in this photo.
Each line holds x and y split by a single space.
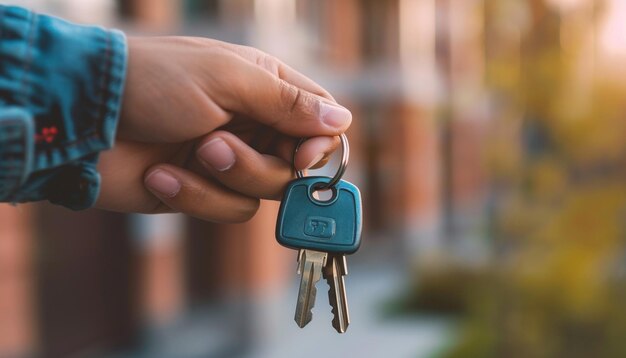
559 288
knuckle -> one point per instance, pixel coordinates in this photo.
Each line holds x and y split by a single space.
291 97
249 51
240 49
268 62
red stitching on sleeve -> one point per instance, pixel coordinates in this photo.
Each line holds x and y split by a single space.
48 134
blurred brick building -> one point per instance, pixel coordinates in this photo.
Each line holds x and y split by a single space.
93 282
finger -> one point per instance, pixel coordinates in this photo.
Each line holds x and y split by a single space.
241 168
280 69
314 151
122 170
291 110
309 153
189 193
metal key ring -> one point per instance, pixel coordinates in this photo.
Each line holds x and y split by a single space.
345 156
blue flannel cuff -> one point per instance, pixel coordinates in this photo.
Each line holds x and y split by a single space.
69 79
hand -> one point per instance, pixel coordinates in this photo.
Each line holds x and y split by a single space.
180 89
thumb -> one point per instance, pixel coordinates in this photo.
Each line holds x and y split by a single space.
257 93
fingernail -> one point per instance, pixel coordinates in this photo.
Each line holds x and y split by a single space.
163 183
217 154
334 115
315 160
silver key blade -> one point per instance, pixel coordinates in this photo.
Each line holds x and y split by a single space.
334 271
310 267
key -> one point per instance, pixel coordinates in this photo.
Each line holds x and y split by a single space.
334 271
323 231
310 264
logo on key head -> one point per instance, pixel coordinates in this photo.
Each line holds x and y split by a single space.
319 226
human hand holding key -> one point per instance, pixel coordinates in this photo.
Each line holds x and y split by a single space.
210 128
221 136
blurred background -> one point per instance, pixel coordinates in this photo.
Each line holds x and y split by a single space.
489 145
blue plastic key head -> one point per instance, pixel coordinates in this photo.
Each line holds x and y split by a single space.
305 222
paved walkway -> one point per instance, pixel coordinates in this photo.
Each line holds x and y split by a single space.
265 328
370 333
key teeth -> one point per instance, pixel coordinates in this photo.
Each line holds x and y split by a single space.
332 297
